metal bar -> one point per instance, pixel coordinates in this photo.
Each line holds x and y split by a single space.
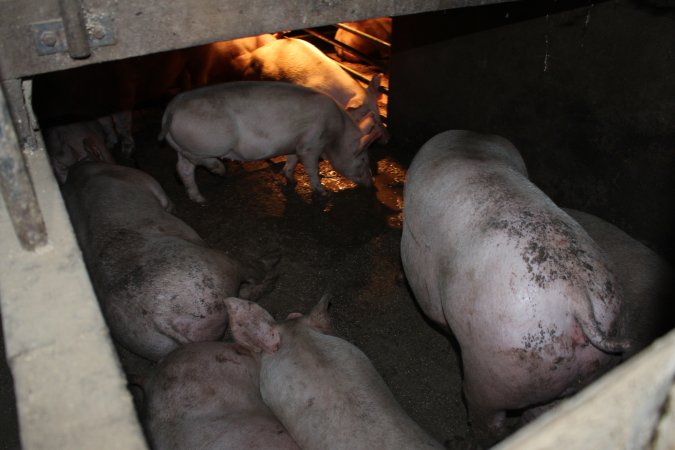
17 188
76 31
349 48
150 26
19 106
364 35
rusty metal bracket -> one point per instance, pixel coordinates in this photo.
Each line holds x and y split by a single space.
50 36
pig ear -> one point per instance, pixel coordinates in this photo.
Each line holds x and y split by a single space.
92 149
354 103
293 315
318 317
368 138
367 123
374 86
252 326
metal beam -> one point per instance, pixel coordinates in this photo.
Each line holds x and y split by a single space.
148 26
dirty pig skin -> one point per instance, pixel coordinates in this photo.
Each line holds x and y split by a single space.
206 395
648 281
527 293
254 120
323 389
159 285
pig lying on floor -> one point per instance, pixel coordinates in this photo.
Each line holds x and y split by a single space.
159 285
206 395
323 389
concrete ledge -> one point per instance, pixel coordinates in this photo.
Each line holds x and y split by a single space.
70 389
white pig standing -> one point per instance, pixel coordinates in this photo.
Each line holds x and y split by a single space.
524 289
299 62
648 280
323 389
159 285
254 120
206 395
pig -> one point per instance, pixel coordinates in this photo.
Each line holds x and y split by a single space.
648 280
527 293
206 395
251 120
159 285
323 389
74 142
227 60
299 62
379 28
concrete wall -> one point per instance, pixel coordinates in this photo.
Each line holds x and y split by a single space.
585 90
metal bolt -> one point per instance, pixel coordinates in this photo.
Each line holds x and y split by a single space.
98 32
49 38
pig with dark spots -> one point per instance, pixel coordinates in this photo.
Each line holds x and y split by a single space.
527 293
648 280
323 389
159 285
246 121
206 395
299 62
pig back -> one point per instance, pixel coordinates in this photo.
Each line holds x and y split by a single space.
328 395
157 283
299 62
206 395
255 120
480 241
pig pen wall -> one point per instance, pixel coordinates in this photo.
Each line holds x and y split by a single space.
585 90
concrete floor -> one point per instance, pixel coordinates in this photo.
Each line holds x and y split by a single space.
9 437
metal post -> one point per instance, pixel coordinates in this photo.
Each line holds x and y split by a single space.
76 31
16 186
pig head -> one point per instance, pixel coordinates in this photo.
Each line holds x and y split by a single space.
75 142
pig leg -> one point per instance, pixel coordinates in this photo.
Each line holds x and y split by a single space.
488 424
186 172
312 168
289 169
214 165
